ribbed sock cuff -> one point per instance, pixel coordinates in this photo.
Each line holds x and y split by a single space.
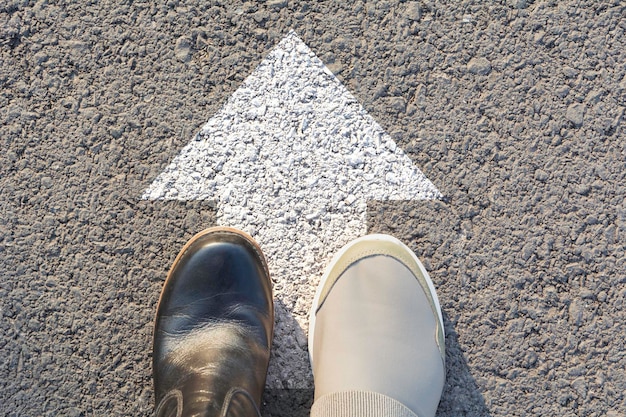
359 404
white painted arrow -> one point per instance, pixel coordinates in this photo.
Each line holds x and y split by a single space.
292 159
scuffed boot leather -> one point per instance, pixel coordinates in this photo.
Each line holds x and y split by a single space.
213 328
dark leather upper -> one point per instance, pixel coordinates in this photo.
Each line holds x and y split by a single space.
213 326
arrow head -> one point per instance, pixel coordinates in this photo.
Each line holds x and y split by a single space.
292 127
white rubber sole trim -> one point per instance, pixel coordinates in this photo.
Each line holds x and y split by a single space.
338 255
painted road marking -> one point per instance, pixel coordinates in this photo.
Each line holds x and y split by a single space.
292 159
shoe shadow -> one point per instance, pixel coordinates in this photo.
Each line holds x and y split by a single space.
289 386
461 395
287 403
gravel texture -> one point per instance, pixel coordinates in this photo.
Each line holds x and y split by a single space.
515 111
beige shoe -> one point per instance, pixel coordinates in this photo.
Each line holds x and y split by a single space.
376 336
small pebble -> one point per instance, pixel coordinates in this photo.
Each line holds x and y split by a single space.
183 49
575 114
413 11
479 66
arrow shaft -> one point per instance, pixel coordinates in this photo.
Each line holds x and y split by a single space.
297 246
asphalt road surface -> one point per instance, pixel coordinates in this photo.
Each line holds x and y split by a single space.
515 111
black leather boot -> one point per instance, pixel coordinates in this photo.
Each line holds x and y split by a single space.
213 328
